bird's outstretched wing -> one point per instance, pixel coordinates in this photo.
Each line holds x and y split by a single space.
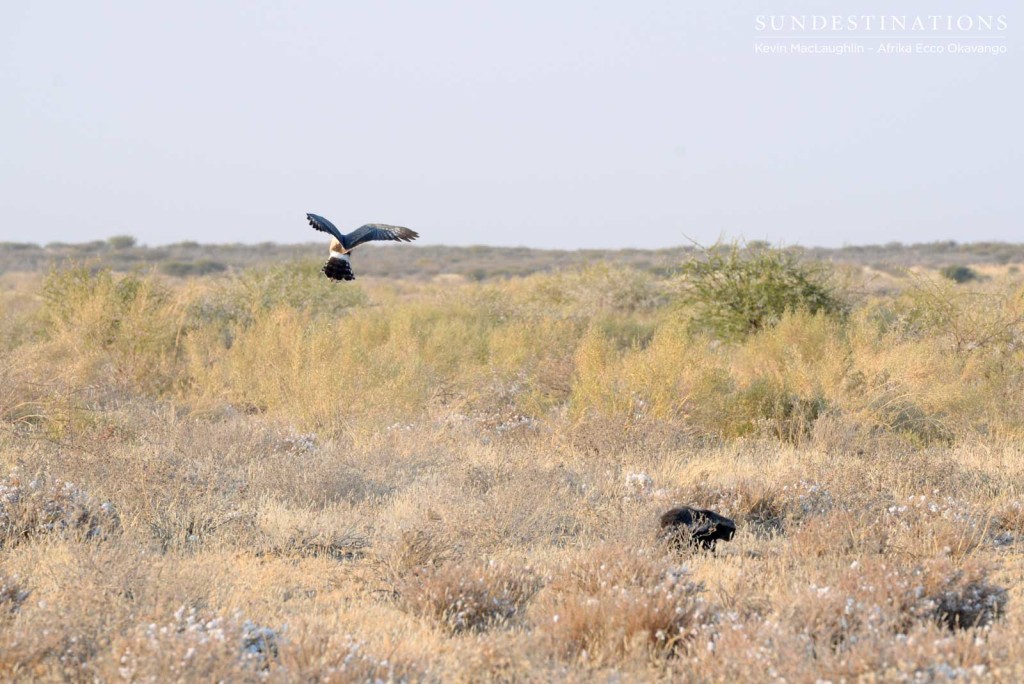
325 226
378 231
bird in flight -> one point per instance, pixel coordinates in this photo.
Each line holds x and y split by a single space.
339 265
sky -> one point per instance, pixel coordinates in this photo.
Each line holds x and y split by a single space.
551 124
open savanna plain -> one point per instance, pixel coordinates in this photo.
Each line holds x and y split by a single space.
260 475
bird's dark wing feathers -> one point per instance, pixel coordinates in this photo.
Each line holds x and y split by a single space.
325 226
378 231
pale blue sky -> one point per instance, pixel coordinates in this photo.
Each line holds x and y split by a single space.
545 124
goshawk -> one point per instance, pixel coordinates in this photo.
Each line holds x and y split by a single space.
339 265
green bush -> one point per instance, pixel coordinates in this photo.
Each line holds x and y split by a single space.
768 408
90 247
113 327
68 292
297 285
959 274
737 292
183 269
121 241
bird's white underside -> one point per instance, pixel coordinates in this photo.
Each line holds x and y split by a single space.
339 255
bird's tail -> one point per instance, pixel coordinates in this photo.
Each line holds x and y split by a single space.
339 268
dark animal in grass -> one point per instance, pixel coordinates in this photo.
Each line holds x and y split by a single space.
684 526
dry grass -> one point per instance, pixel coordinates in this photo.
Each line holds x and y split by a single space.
462 481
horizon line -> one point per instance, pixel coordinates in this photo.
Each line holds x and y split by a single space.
8 244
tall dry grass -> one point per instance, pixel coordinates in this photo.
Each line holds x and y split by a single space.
266 476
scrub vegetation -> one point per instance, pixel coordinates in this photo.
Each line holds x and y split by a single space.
254 474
